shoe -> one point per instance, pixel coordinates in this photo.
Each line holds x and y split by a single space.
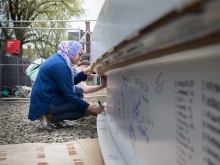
63 124
45 121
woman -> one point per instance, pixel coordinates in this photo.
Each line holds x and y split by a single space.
54 96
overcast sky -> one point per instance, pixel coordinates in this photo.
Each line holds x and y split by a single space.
93 7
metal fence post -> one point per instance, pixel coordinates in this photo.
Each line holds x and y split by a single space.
0 58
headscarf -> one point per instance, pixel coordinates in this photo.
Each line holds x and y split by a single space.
68 50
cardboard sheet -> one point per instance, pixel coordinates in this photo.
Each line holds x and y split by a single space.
79 152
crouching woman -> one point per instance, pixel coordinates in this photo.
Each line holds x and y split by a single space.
54 96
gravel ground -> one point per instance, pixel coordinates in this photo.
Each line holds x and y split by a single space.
15 128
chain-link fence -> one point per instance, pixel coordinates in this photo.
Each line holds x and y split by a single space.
36 41
12 73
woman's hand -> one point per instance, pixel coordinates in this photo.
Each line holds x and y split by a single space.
96 108
87 71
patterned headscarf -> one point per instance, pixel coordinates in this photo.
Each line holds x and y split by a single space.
68 50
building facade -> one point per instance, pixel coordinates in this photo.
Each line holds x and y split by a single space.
84 37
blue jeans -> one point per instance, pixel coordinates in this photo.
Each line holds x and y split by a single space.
67 111
79 91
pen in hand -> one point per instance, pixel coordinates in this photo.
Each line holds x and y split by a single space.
100 104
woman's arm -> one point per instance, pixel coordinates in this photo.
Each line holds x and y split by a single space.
91 89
